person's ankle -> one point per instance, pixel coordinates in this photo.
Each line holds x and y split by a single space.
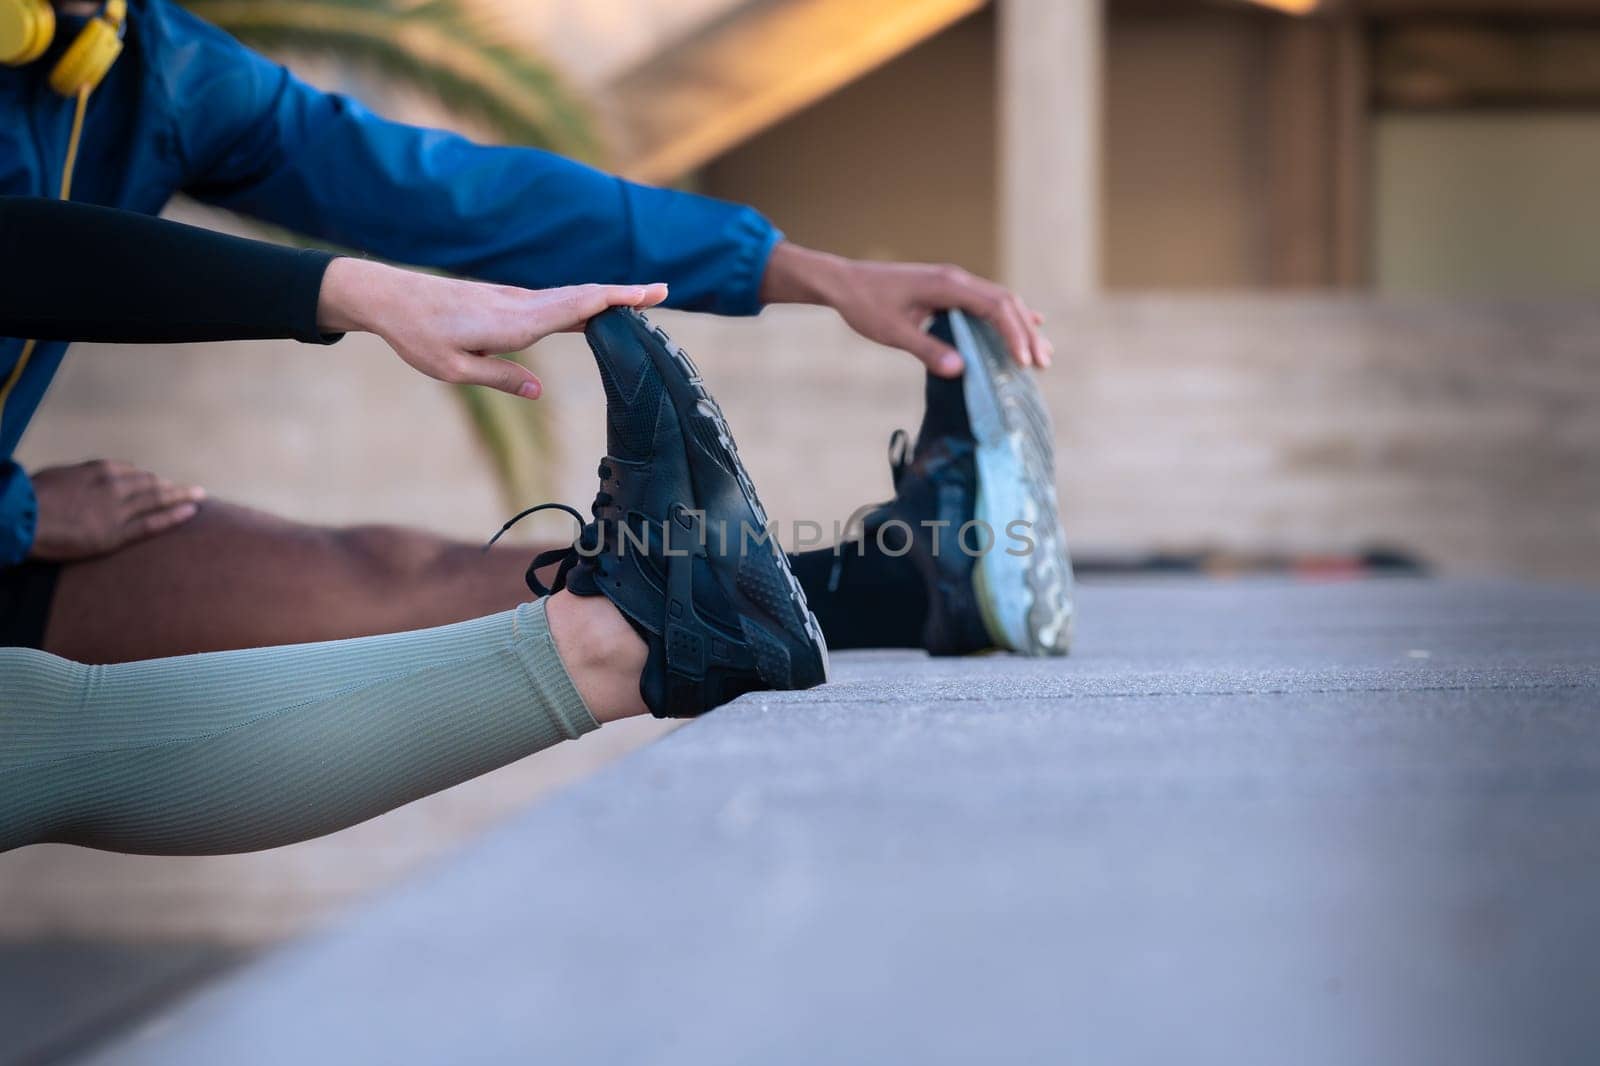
603 654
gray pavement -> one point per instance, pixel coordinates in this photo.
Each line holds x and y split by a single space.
1247 822
61 998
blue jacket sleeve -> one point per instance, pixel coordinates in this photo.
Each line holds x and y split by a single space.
267 145
19 514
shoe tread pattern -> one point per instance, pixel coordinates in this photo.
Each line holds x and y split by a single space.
1027 425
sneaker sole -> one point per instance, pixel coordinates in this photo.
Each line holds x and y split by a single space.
1026 600
777 586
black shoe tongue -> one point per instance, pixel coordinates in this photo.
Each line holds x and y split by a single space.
631 422
944 411
633 402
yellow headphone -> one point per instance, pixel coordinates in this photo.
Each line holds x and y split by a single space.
28 26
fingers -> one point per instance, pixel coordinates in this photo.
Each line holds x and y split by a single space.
1014 328
159 521
1043 348
942 360
577 304
160 495
649 295
507 375
150 504
1018 324
1043 351
553 311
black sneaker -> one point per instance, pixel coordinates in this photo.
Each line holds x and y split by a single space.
679 542
978 486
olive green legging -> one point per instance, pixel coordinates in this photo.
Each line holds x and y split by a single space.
242 750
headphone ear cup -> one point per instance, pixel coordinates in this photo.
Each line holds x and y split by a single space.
26 29
87 59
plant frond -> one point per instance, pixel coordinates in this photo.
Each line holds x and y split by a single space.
517 440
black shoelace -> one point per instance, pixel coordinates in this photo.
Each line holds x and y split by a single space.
588 539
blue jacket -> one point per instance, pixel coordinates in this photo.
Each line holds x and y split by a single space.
188 108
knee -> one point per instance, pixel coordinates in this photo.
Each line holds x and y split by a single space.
390 553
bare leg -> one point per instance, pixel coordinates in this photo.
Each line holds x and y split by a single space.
602 653
233 577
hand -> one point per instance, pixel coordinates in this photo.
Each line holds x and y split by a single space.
451 329
890 302
97 507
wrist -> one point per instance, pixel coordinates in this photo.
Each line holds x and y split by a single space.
799 275
354 293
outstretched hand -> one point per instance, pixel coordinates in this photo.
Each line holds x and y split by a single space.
890 302
454 330
92 508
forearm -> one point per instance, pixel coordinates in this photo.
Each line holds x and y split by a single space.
797 275
85 273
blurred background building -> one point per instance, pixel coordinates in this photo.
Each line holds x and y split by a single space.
1321 278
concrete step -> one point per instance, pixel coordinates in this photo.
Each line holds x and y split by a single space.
1256 821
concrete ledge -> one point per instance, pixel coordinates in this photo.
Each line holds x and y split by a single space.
1250 822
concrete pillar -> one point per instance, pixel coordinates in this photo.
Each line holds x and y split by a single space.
1050 147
